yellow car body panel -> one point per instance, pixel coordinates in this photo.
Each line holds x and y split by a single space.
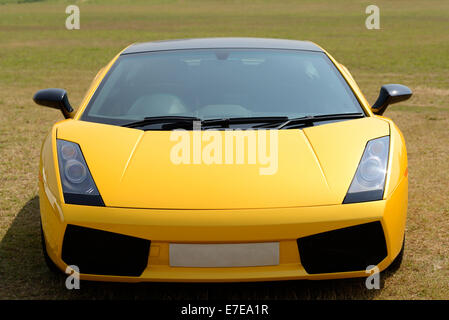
246 225
134 175
123 159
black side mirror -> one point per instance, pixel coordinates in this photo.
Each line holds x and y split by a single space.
389 94
54 98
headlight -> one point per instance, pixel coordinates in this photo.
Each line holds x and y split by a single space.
75 172
77 183
369 180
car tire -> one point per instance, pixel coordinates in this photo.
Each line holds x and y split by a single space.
50 264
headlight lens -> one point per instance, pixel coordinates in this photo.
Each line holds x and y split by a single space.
369 180
78 185
75 172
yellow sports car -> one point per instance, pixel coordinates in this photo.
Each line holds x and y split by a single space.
223 159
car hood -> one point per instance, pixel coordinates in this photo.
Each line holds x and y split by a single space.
139 169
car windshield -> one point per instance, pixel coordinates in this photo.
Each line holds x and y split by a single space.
220 84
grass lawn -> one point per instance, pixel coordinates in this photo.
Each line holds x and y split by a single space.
412 48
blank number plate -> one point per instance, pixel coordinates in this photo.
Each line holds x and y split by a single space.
224 255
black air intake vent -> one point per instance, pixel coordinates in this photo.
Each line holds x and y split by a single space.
105 253
348 249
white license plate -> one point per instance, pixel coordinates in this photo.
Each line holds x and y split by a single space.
224 255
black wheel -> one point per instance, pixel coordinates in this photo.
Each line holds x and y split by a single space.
50 264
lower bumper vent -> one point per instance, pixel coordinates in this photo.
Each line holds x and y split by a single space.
104 253
348 249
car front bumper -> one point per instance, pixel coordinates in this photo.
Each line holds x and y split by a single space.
283 225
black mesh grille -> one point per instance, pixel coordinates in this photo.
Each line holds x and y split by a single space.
105 253
348 249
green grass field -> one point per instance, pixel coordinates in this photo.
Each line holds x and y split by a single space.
412 48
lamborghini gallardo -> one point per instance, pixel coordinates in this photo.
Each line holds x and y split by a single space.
223 159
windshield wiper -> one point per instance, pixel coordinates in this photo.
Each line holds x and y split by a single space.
309 120
173 121
225 122
161 119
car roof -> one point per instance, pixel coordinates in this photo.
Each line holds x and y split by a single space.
221 43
